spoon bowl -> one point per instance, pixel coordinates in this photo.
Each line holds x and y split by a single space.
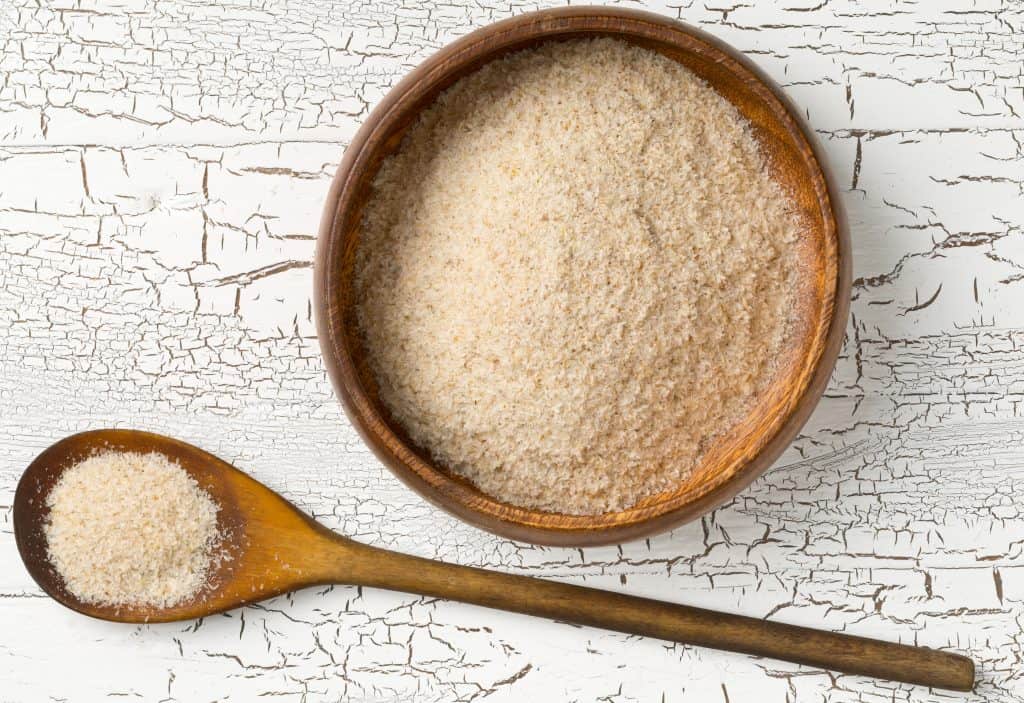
272 547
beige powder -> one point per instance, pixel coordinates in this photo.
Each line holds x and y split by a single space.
131 529
574 274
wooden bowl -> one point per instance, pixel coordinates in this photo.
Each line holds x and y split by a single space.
736 458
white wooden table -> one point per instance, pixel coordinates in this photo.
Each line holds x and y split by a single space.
162 167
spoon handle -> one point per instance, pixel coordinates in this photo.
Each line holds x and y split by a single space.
667 621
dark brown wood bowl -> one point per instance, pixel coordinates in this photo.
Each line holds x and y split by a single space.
741 453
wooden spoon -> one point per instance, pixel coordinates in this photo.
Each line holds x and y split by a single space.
275 548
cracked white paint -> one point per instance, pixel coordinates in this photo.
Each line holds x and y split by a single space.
162 167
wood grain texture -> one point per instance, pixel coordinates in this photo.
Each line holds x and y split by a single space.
269 547
742 452
161 279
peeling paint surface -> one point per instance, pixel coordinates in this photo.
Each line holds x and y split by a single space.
162 169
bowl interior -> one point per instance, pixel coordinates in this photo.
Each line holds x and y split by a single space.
736 457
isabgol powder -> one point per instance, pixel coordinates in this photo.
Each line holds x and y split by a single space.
574 274
131 529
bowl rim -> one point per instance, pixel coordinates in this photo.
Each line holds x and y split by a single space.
454 495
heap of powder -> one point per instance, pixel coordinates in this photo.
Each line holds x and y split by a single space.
575 273
131 529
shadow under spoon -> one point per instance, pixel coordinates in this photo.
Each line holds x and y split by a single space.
275 548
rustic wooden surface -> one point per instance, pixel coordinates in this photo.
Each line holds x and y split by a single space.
161 172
